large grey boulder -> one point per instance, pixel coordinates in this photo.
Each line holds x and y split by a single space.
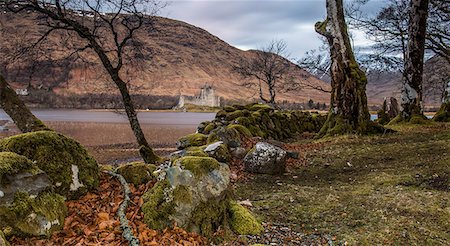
192 193
265 158
27 204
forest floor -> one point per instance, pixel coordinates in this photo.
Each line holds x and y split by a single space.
361 190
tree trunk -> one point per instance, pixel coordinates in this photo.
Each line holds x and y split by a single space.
348 105
443 114
16 109
411 97
145 150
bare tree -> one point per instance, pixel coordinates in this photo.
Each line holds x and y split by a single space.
268 66
16 109
106 27
348 105
411 97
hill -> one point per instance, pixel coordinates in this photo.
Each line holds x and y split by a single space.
177 58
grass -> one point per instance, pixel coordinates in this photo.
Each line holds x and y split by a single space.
388 190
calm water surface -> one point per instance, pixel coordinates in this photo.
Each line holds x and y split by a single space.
153 118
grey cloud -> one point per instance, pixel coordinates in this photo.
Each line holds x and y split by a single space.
252 24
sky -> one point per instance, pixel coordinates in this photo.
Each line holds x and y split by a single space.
252 24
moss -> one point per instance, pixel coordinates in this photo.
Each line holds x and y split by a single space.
221 114
256 115
397 119
194 139
242 221
383 117
419 120
210 216
245 121
257 107
233 115
155 208
137 172
12 163
26 214
256 131
56 155
3 241
200 153
241 129
209 128
182 194
443 115
199 166
229 109
212 138
221 154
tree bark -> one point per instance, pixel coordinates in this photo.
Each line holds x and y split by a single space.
348 104
16 109
411 97
145 150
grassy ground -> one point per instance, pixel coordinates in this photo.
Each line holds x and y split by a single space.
389 190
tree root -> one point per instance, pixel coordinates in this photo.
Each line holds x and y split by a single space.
127 233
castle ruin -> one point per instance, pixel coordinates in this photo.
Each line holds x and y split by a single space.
207 97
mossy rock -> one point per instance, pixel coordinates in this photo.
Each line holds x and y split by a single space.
233 115
12 163
201 127
192 193
241 129
257 107
29 216
221 114
242 221
70 168
137 173
199 153
209 128
229 109
198 165
156 208
218 151
194 139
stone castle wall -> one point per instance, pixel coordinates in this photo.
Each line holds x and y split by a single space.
207 97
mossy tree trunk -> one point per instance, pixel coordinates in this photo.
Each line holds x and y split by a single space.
443 114
16 109
348 111
411 96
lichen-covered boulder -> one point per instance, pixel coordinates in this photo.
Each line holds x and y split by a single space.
27 204
265 158
194 139
69 166
137 173
242 221
193 193
218 151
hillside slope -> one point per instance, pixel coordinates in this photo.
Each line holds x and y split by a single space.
177 58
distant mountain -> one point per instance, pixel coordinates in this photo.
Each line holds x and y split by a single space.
380 85
179 58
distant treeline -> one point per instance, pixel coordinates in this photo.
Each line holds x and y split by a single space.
46 99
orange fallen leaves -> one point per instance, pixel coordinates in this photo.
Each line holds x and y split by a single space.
92 220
